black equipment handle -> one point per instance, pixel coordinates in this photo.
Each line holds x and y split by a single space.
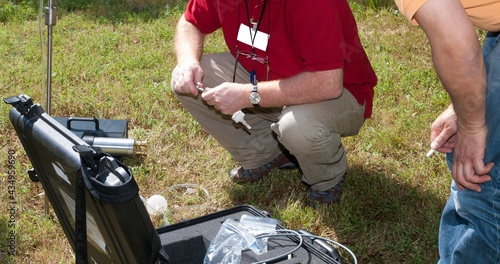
84 119
327 248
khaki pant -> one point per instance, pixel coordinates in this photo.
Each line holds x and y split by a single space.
311 132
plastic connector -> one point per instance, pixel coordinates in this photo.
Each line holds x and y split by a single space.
238 117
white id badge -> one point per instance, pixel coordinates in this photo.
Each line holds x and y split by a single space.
261 38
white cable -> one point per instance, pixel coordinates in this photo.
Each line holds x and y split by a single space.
276 235
189 185
300 244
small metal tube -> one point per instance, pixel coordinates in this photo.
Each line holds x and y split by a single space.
122 146
199 88
119 146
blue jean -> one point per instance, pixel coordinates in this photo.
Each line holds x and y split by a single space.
470 223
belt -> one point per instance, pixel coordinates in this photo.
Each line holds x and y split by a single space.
492 34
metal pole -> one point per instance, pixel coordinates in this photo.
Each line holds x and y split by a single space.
50 20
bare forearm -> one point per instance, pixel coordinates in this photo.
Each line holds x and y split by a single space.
458 60
188 42
306 87
188 46
465 80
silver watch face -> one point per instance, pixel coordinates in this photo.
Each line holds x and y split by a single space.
254 98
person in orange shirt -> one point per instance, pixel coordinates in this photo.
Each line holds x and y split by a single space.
469 130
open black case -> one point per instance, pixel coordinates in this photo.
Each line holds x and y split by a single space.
95 195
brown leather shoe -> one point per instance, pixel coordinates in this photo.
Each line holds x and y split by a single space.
240 175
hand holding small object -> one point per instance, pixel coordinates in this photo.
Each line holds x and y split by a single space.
237 117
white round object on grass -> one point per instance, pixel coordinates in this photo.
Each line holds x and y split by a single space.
157 204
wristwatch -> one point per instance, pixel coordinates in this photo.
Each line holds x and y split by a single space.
254 96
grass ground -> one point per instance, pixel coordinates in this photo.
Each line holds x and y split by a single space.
113 59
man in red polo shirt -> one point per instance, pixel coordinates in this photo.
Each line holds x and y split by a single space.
298 71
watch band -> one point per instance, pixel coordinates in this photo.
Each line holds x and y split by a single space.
254 88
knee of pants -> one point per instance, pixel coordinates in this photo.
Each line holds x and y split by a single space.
305 136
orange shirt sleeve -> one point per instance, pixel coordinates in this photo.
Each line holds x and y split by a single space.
409 7
484 14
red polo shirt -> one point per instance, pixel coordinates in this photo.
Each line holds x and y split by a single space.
304 35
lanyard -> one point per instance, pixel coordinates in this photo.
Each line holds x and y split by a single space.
255 27
255 24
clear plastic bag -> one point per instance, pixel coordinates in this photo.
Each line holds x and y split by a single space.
256 226
227 245
233 237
